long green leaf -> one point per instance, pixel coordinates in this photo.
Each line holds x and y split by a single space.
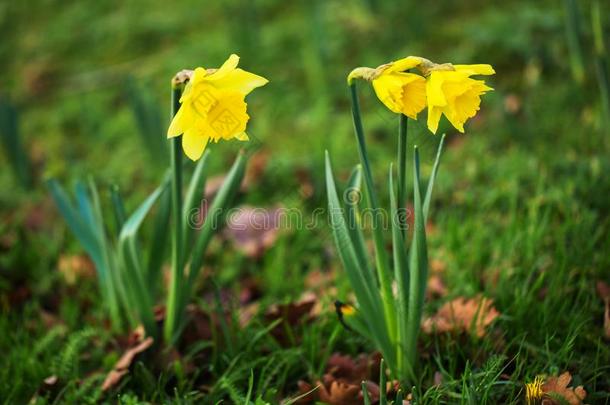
118 208
352 195
418 266
437 160
160 237
194 194
112 282
131 258
11 139
74 219
148 118
401 275
382 262
368 296
216 211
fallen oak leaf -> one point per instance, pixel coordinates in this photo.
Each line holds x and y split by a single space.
355 370
342 382
122 366
556 389
462 315
339 392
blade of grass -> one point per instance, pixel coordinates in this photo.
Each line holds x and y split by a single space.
601 60
365 394
382 384
572 19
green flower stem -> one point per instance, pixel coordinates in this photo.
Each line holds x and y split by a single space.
381 257
173 309
402 168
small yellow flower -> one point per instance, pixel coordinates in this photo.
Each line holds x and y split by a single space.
451 91
213 107
533 391
402 92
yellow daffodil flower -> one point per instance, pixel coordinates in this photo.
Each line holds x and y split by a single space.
451 91
400 91
213 107
533 391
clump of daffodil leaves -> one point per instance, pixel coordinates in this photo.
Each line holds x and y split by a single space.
390 291
207 105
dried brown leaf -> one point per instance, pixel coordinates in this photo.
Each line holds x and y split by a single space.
462 315
554 386
122 366
341 384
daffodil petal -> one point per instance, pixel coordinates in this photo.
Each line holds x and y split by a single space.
228 117
388 89
196 79
176 127
193 144
242 137
413 95
434 116
240 81
403 64
227 67
402 93
480 69
434 90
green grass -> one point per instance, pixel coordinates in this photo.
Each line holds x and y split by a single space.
521 205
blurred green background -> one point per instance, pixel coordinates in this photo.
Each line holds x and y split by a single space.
523 195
